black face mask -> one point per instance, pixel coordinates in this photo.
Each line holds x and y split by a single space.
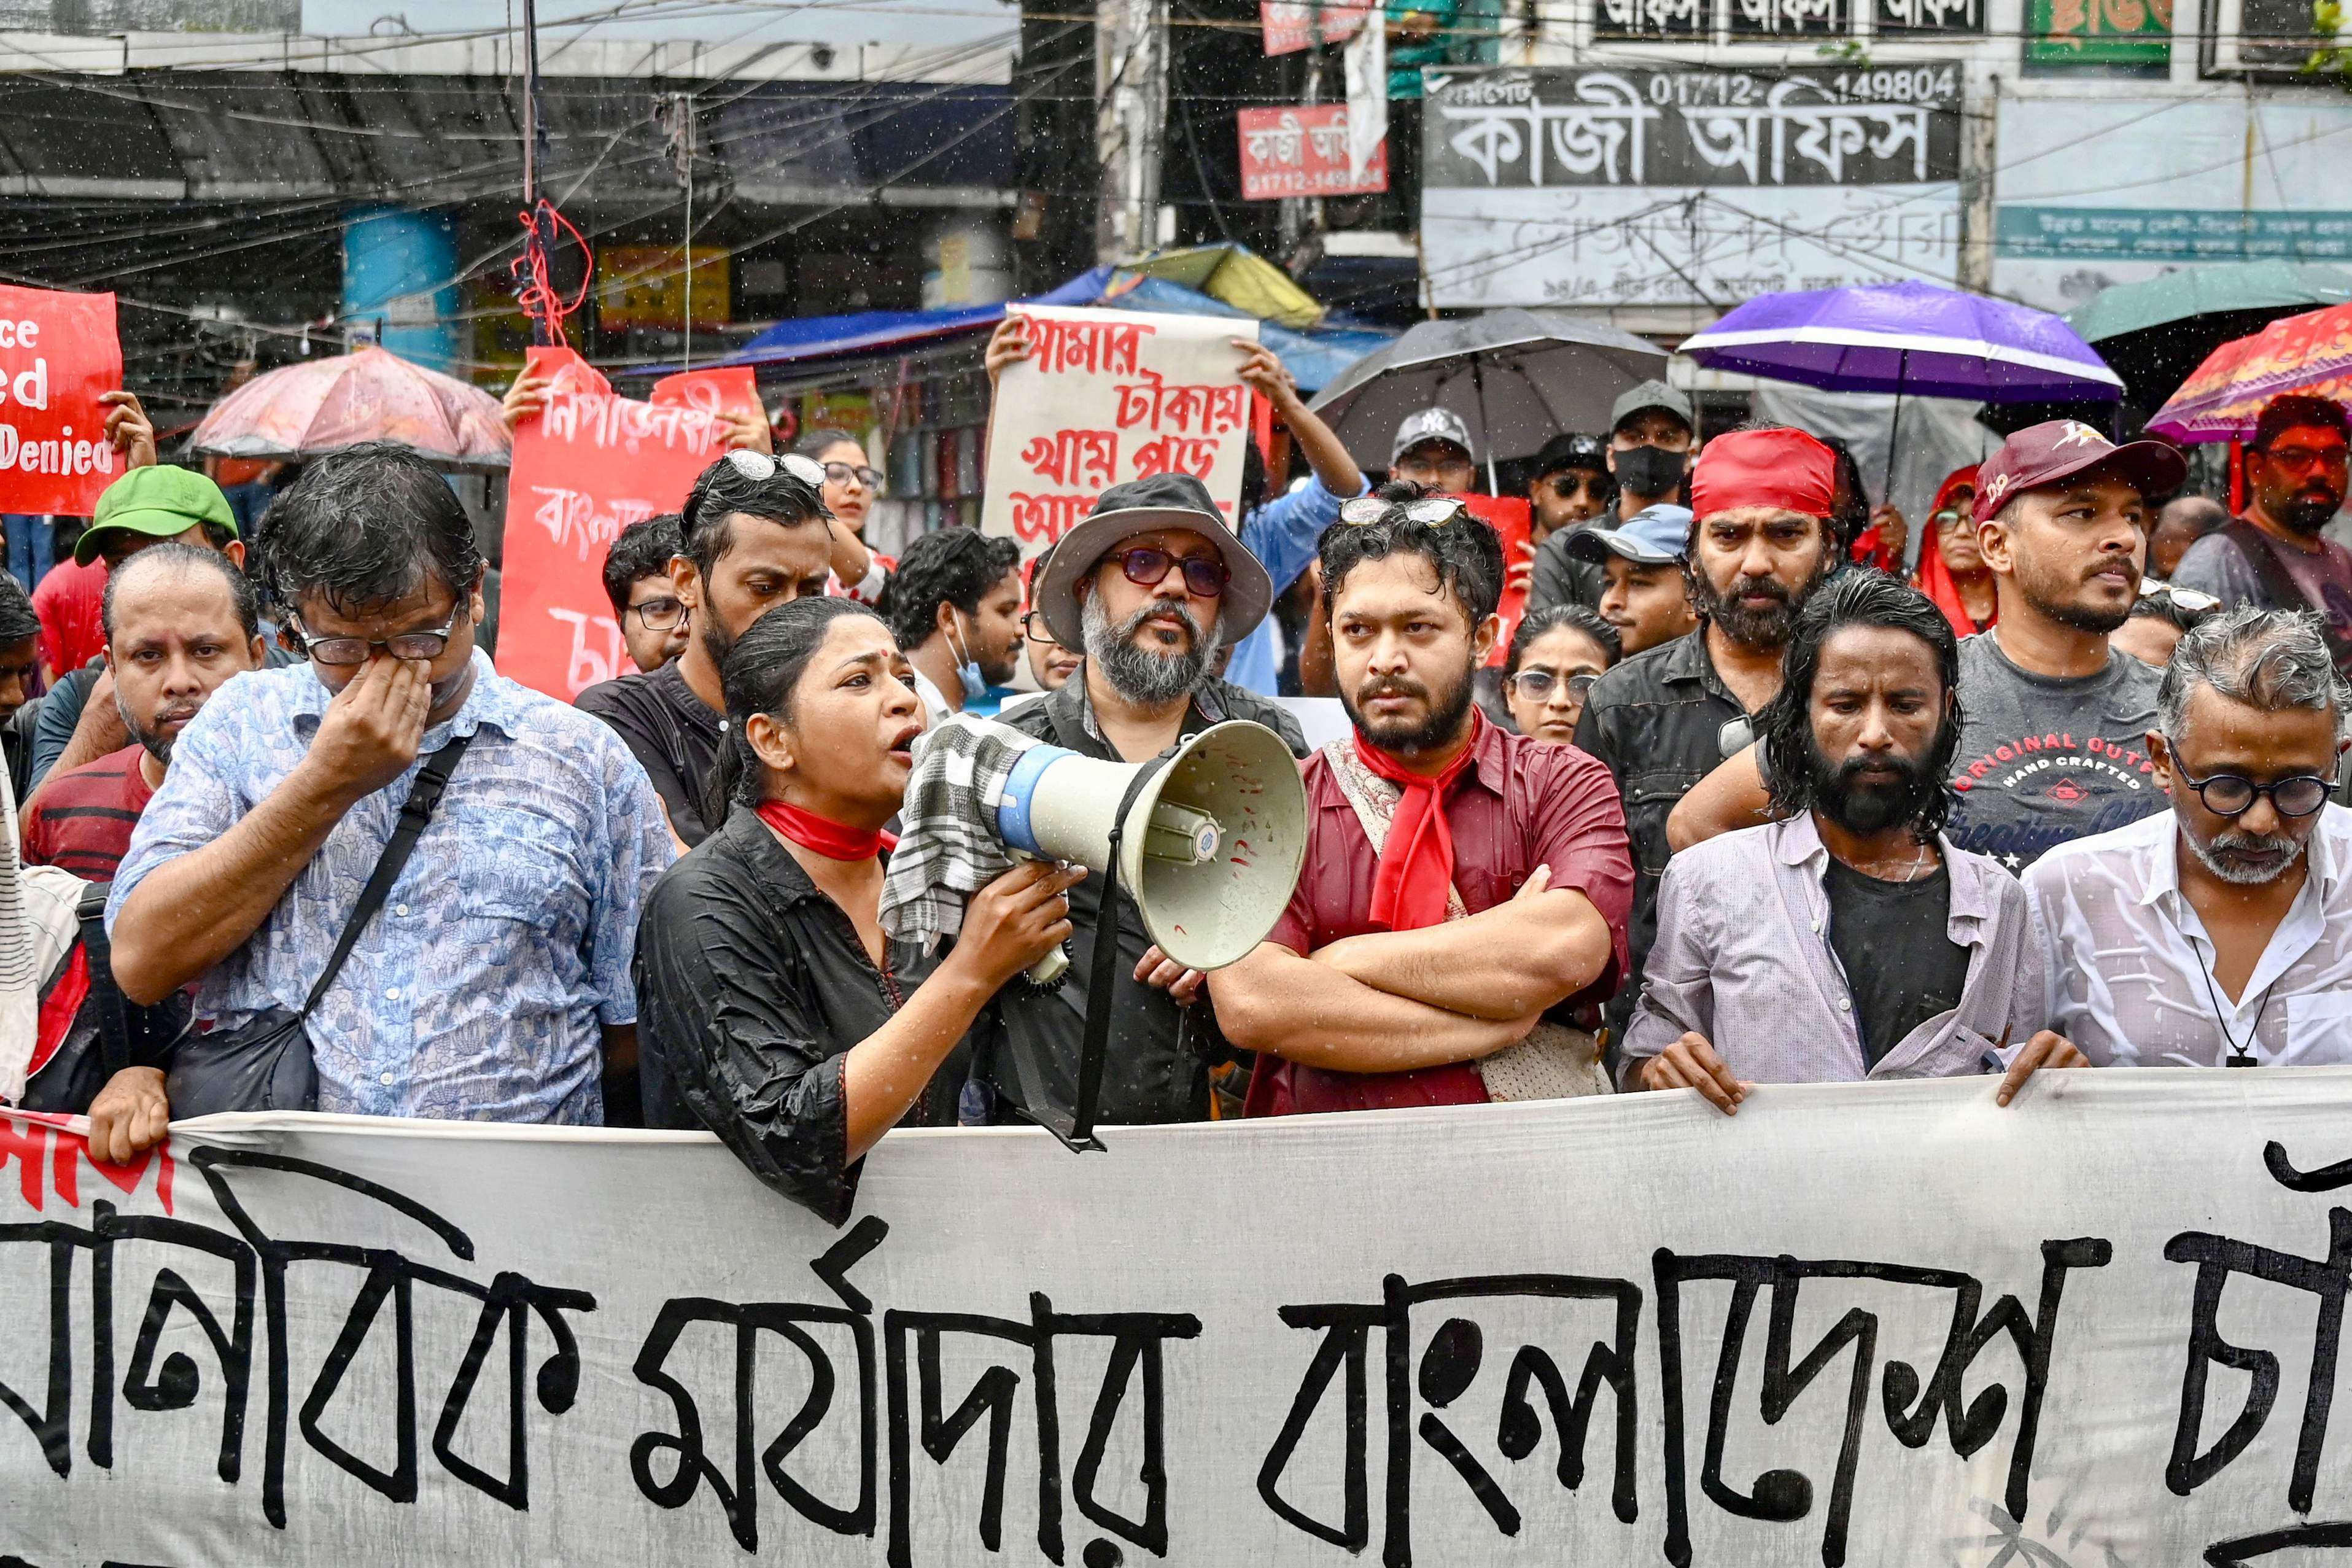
1651 470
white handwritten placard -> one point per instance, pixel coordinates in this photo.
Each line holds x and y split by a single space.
1878 1324
1111 396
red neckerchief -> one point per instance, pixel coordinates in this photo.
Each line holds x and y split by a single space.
1416 870
823 835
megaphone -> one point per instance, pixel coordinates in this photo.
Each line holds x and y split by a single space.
1211 836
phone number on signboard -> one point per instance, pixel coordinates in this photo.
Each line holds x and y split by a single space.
1900 84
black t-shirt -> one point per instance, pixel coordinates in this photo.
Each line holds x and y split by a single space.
670 730
1901 964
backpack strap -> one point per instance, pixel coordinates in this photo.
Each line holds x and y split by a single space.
114 1011
2279 586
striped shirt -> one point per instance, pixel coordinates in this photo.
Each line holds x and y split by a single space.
82 820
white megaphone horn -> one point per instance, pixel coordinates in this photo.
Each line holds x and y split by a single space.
1210 842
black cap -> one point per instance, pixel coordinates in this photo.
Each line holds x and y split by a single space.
1571 449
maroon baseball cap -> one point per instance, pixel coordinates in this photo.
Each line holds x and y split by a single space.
2042 455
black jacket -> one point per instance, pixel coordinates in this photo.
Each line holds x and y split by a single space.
751 985
1561 578
1158 1064
1657 722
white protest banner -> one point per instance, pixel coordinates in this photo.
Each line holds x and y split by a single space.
1106 396
1881 1324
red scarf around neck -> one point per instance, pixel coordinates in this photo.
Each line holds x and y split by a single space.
1416 870
823 835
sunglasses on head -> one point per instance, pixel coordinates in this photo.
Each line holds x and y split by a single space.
760 468
2193 600
1430 510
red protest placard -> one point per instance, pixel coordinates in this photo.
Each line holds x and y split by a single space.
585 468
1296 23
732 390
1513 518
1303 152
58 354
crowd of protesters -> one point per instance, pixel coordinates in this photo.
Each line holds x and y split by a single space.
1742 797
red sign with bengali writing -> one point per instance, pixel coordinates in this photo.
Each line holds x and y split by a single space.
1513 518
58 354
1303 152
585 468
732 390
1111 396
1296 23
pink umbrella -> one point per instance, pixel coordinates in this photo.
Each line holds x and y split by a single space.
309 410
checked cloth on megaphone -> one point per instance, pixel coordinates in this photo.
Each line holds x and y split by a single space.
947 848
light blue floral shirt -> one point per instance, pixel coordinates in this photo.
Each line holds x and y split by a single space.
478 992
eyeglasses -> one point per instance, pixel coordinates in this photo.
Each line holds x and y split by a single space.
1568 486
356 650
1204 576
2193 600
1034 627
2227 795
760 468
842 473
1947 517
657 614
2301 457
1431 511
1536 685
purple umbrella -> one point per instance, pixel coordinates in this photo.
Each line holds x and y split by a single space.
1908 338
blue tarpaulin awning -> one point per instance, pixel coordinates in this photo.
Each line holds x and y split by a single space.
1313 357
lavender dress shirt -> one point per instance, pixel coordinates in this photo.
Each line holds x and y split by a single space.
1743 959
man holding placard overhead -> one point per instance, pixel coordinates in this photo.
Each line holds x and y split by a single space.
1150 584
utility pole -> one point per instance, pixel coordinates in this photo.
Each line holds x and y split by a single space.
1131 120
680 107
1980 157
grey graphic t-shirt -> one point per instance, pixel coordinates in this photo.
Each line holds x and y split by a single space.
2044 759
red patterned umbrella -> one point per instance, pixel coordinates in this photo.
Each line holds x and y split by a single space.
2310 355
324 405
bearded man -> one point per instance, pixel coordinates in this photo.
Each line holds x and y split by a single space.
1851 940
1464 892
2218 933
1151 584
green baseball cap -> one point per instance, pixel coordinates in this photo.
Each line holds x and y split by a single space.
159 501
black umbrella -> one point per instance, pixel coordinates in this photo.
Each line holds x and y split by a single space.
1517 378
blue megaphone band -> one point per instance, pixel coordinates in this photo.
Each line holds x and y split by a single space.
1020 786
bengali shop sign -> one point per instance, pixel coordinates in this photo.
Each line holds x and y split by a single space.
1874 1324
1303 152
58 354
589 464
1294 25
1636 185
1111 396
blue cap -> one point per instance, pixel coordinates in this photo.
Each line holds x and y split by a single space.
1654 536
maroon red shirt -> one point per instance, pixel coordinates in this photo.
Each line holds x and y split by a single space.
1521 804
81 822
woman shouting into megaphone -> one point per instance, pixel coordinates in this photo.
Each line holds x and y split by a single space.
773 1010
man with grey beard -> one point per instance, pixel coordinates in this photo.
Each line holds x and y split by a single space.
2218 933
1148 587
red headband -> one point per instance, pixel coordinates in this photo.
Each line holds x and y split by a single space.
1783 468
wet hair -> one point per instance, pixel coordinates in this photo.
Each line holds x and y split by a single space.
955 566
17 620
1538 624
2170 611
366 526
815 444
723 490
642 549
172 554
2269 660
1860 597
1850 516
762 671
1467 554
